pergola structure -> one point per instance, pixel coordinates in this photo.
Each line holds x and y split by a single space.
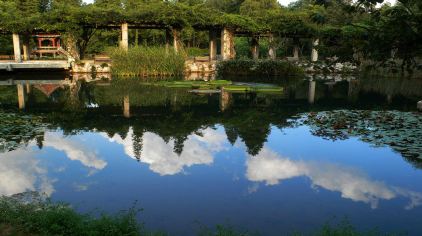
225 34
50 43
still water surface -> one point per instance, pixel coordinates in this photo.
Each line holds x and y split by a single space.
270 163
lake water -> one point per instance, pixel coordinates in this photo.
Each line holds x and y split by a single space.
272 163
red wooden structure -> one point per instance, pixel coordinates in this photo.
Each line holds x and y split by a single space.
48 44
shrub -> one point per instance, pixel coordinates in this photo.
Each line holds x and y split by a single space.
41 217
247 67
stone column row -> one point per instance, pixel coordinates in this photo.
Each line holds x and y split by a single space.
227 44
175 33
314 52
26 48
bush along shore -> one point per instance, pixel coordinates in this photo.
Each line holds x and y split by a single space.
146 62
30 214
249 67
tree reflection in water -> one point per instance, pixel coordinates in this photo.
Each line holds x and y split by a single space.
174 114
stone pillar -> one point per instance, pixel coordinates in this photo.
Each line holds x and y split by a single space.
227 44
126 107
168 40
21 96
272 49
17 47
124 43
176 40
28 88
213 45
389 98
314 54
419 105
26 47
137 37
225 99
311 92
255 48
296 52
352 90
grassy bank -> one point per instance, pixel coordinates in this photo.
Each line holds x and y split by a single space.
39 217
248 67
147 62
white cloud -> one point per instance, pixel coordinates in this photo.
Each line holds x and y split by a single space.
75 150
21 172
271 168
162 159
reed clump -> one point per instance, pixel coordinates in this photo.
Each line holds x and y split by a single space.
146 62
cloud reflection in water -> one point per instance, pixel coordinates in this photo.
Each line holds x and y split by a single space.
271 168
20 172
161 158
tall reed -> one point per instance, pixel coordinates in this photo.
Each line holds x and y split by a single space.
147 62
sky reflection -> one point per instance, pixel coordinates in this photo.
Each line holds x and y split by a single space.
161 156
272 168
208 176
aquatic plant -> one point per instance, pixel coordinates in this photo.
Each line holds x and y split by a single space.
17 130
399 130
248 67
146 62
217 85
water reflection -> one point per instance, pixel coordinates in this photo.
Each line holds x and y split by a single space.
21 172
164 157
75 140
75 149
271 168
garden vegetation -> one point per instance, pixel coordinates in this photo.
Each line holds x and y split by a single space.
364 31
147 62
249 67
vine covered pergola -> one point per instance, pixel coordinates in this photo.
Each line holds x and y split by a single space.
74 22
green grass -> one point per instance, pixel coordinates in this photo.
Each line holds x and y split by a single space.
248 67
197 52
32 215
41 217
146 62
